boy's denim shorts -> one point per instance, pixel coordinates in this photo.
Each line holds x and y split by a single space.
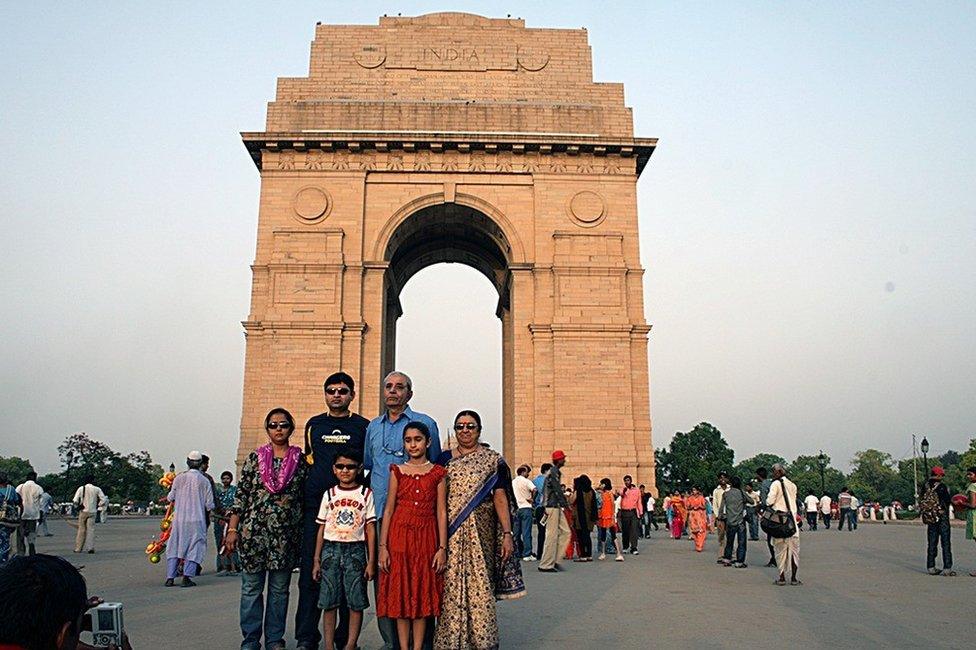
343 579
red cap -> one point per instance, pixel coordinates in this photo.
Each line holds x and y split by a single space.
558 455
938 471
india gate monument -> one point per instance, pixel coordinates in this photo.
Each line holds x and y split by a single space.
451 137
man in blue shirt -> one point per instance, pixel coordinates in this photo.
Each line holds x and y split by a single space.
384 447
540 529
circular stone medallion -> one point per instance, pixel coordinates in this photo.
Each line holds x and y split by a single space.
311 204
587 208
370 56
532 59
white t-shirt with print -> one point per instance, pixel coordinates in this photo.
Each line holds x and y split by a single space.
345 513
812 503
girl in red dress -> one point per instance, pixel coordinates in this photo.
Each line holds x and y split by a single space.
413 540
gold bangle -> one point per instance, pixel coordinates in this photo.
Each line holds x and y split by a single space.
231 530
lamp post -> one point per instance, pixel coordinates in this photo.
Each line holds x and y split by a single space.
925 454
822 462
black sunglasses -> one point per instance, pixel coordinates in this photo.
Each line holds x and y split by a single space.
279 425
461 426
336 391
352 466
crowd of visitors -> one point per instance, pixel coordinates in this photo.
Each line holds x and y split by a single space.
441 534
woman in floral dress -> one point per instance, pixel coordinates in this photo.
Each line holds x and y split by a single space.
266 528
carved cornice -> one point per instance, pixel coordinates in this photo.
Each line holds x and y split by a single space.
505 152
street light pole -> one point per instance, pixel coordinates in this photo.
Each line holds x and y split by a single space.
925 454
822 462
915 468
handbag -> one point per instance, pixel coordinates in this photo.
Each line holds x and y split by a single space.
9 512
776 523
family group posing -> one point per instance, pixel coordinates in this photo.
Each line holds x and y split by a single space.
431 529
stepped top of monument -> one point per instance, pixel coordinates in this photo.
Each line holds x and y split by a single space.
453 74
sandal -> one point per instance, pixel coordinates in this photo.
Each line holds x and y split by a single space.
795 583
780 583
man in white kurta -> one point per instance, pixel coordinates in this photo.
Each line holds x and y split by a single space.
782 493
192 497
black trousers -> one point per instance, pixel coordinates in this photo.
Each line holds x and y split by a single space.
939 533
308 616
845 515
540 538
628 524
585 540
826 520
812 520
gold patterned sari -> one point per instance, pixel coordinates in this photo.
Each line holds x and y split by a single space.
475 575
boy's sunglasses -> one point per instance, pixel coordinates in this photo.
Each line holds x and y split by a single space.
345 466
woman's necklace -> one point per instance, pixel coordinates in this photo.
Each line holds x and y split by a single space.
423 464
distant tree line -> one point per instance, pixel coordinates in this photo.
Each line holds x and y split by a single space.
122 477
694 458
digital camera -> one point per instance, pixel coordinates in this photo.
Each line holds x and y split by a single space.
106 623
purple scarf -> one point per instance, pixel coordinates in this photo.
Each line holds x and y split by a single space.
275 484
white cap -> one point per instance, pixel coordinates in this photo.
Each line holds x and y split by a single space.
194 455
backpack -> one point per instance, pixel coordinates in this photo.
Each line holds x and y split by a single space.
930 506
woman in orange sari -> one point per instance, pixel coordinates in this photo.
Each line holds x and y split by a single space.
697 518
678 515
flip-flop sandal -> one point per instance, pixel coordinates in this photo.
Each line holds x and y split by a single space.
779 583
796 583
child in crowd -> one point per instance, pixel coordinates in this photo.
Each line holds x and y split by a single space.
413 541
344 548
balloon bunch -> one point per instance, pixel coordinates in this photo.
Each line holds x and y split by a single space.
156 547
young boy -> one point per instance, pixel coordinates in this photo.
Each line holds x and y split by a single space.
344 548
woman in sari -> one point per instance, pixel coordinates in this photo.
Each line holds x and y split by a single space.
697 518
481 563
678 512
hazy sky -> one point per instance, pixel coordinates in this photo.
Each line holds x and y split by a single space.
808 220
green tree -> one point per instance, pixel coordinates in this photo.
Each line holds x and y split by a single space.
968 458
133 476
746 469
872 475
15 468
694 458
805 472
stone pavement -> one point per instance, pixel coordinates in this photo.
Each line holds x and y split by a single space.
865 588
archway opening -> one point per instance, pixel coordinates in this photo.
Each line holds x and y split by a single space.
449 340
447 327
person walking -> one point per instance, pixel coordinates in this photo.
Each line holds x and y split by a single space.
631 512
89 499
854 513
717 494
752 515
733 510
844 500
812 506
413 540
557 528
264 531
192 497
524 491
825 510
226 491
971 506
934 507
648 503
540 509
679 514
326 434
10 510
606 537
47 503
30 494
698 519
765 483
585 516
782 493
383 448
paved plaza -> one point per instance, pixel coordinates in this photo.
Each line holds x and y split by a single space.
864 589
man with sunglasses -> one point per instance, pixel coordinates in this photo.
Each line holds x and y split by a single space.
384 447
325 435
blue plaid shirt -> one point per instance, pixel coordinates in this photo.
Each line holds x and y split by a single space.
384 447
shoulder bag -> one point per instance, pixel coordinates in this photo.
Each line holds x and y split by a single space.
9 512
776 523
